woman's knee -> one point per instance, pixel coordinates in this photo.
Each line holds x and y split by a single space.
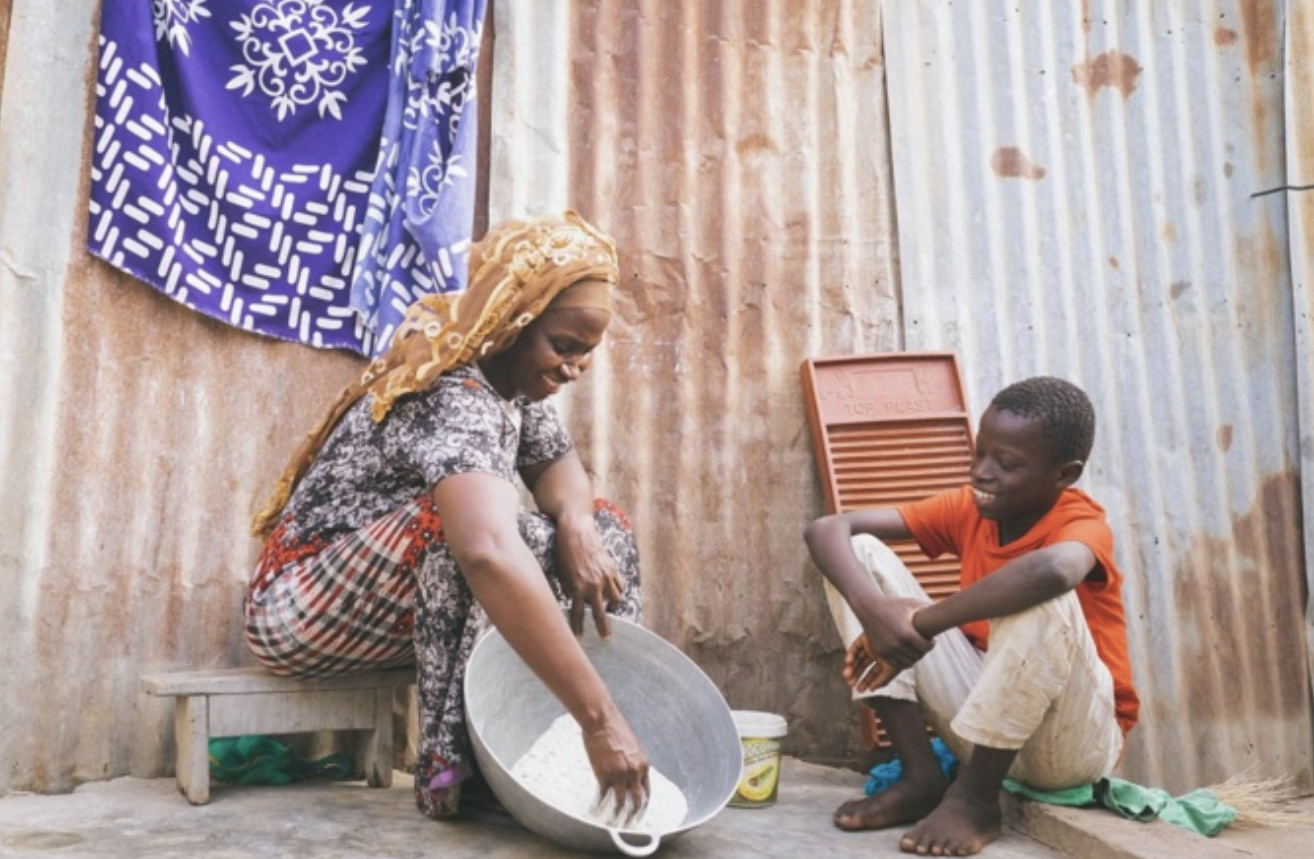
608 514
537 530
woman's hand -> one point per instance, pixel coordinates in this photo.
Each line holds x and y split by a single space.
621 768
589 575
479 514
889 632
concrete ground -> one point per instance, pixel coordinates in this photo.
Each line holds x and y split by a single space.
149 819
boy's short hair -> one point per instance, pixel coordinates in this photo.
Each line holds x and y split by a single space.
1067 418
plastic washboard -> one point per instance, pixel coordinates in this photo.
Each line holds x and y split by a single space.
888 429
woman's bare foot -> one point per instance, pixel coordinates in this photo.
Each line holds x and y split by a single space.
961 825
902 802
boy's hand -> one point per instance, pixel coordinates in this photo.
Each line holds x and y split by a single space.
863 670
890 634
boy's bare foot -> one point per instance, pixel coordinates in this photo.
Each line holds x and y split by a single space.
962 824
902 802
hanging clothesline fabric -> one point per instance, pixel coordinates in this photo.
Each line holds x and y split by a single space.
417 230
299 168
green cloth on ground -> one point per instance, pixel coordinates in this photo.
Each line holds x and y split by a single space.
257 759
1199 811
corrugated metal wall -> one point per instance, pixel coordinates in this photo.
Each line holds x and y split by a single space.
135 438
739 153
1299 86
1080 191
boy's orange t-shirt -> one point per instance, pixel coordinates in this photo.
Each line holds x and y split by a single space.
949 522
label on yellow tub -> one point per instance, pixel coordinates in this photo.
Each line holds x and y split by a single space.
757 785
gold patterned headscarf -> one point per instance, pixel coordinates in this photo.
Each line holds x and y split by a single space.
516 270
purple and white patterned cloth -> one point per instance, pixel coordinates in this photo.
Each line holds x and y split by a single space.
299 168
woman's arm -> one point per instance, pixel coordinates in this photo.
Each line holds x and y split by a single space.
1018 585
479 515
563 492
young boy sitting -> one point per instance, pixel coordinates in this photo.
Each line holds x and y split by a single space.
1051 701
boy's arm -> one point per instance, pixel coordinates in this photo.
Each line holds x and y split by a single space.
1018 585
887 621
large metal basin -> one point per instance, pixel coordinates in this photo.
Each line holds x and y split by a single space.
677 713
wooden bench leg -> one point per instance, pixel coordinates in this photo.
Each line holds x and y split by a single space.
191 722
375 755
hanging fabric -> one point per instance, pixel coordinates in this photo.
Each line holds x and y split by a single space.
238 146
417 229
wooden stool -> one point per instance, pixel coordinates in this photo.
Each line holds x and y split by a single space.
237 701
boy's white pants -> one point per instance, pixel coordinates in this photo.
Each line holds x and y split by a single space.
1041 688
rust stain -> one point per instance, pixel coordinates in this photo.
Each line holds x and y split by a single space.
1227 169
1178 287
1300 28
1113 262
1262 254
755 143
5 15
1010 162
1225 36
1243 593
1259 115
1112 69
1259 19
1168 231
78 235
1224 436
484 120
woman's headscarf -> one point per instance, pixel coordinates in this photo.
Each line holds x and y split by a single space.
516 270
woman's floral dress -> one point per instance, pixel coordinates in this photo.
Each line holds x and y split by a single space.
357 575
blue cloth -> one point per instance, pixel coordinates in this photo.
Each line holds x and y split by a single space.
239 148
417 227
885 775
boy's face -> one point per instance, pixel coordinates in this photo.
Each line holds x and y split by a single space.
1015 477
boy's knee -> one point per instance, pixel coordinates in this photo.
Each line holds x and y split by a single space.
1042 621
867 549
874 553
866 543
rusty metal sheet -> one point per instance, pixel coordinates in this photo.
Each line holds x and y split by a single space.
1081 191
741 155
135 440
5 13
145 434
1298 82
737 152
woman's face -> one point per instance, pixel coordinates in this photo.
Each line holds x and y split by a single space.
552 351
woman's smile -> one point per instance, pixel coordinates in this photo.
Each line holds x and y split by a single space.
553 351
